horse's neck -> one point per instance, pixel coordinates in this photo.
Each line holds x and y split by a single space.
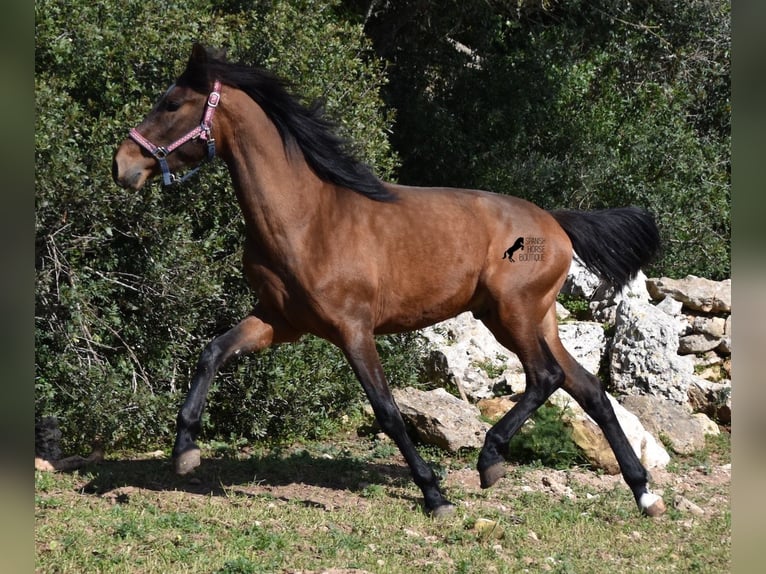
280 196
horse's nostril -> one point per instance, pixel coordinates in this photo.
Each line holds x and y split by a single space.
122 176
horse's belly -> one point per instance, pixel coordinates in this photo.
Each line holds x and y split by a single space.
422 301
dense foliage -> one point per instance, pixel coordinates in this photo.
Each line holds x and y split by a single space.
572 104
568 103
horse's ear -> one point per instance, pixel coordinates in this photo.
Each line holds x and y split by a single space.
198 54
196 73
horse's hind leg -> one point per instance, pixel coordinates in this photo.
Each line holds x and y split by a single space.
587 390
548 365
543 377
253 333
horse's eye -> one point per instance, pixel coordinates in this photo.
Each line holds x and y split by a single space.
172 106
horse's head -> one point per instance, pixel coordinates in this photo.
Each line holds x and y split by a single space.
176 133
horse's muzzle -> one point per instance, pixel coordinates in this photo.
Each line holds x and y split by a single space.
127 174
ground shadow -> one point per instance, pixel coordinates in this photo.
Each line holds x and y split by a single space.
217 476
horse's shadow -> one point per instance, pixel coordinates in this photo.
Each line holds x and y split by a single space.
219 476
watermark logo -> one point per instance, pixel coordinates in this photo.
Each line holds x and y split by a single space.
517 245
532 249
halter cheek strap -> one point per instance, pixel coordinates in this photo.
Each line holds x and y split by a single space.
202 132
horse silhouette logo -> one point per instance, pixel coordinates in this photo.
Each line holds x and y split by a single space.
518 244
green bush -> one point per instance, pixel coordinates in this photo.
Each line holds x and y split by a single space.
545 439
578 306
300 390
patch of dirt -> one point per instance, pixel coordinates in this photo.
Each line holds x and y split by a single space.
342 481
309 495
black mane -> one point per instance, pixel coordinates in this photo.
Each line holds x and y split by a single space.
303 126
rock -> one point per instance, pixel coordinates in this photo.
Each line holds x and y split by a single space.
714 327
705 334
685 432
587 434
697 343
635 289
561 312
580 282
694 292
709 366
465 353
605 301
670 306
644 355
685 505
589 437
711 398
494 409
709 359
708 426
556 482
585 341
441 419
487 529
671 340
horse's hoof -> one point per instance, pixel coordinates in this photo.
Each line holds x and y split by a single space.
652 505
490 475
443 511
187 461
656 509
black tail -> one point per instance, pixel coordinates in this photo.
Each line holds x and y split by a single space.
613 243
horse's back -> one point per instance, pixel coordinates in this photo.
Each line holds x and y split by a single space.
490 223
440 251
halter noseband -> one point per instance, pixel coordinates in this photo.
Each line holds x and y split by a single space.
202 132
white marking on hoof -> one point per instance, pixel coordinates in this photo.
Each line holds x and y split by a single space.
652 504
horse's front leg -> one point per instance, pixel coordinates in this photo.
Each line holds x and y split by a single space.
254 333
361 353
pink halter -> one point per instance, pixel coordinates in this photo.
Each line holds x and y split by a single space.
202 132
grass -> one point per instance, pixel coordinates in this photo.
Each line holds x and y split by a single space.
493 369
350 504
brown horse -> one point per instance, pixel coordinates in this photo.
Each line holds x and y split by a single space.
333 251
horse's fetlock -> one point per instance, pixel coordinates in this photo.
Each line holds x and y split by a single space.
185 421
